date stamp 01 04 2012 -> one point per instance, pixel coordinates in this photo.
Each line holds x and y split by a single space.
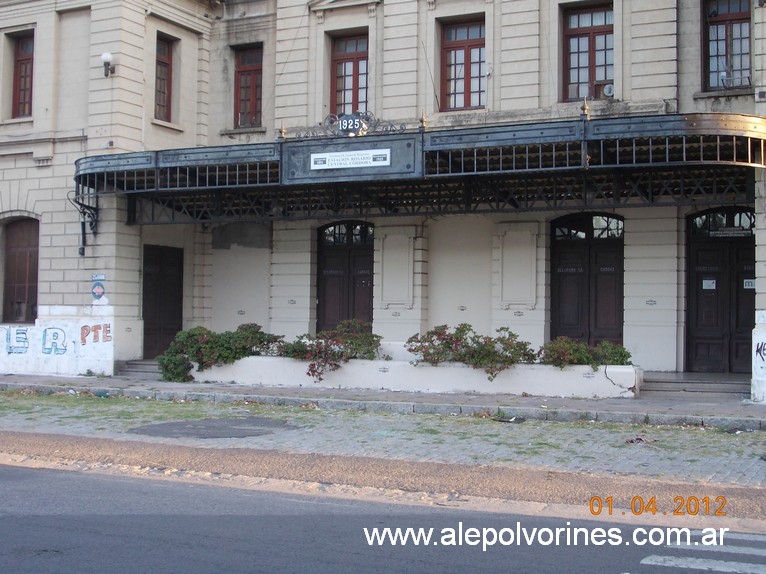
682 506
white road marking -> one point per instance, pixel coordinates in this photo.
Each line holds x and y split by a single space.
709 565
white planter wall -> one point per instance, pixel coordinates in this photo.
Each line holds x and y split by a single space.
397 375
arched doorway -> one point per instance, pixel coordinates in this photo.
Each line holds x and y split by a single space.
720 280
21 262
344 273
587 277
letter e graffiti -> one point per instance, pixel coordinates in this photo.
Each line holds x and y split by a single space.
54 341
760 348
16 340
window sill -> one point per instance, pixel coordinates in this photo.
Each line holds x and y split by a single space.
16 121
731 92
458 110
168 125
236 131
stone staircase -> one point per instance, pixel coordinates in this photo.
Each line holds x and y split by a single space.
693 386
145 370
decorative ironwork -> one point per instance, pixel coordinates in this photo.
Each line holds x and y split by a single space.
697 159
88 211
87 204
351 125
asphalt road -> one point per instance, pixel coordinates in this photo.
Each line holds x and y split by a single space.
79 523
428 478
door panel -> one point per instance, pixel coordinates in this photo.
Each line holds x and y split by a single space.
361 268
162 297
587 291
722 305
344 275
743 312
607 293
21 264
570 293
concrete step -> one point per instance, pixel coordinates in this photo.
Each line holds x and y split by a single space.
696 385
142 369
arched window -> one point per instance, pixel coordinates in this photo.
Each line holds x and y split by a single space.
21 256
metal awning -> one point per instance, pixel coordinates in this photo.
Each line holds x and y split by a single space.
695 159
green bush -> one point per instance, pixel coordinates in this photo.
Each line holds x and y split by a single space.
493 354
354 339
439 345
609 353
563 351
206 348
351 339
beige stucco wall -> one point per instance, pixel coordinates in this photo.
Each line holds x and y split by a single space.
455 261
240 287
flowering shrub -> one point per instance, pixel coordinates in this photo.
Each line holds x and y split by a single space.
563 351
354 339
351 339
493 354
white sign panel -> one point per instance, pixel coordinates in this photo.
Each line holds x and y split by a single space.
351 159
749 284
708 284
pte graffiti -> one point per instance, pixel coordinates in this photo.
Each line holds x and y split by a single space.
98 332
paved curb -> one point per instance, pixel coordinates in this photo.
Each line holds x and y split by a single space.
557 414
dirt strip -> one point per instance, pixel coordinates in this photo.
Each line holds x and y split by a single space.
541 486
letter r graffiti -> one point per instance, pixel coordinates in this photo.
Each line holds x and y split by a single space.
54 341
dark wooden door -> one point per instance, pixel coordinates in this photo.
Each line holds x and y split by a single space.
162 297
21 262
345 272
721 315
587 291
587 277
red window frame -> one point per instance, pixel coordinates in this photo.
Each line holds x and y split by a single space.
726 28
588 52
350 74
23 68
248 88
463 86
163 81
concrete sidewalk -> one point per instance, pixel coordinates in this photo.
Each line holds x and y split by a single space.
719 413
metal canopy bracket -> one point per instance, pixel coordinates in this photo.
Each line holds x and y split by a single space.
87 205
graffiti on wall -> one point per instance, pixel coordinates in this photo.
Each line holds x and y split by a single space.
97 333
54 339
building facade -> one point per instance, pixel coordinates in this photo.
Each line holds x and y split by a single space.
590 169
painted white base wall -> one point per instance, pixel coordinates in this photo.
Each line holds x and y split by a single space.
579 381
64 340
758 390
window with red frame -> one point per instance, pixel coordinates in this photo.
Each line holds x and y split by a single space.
23 64
464 67
163 82
589 52
349 77
726 44
249 87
